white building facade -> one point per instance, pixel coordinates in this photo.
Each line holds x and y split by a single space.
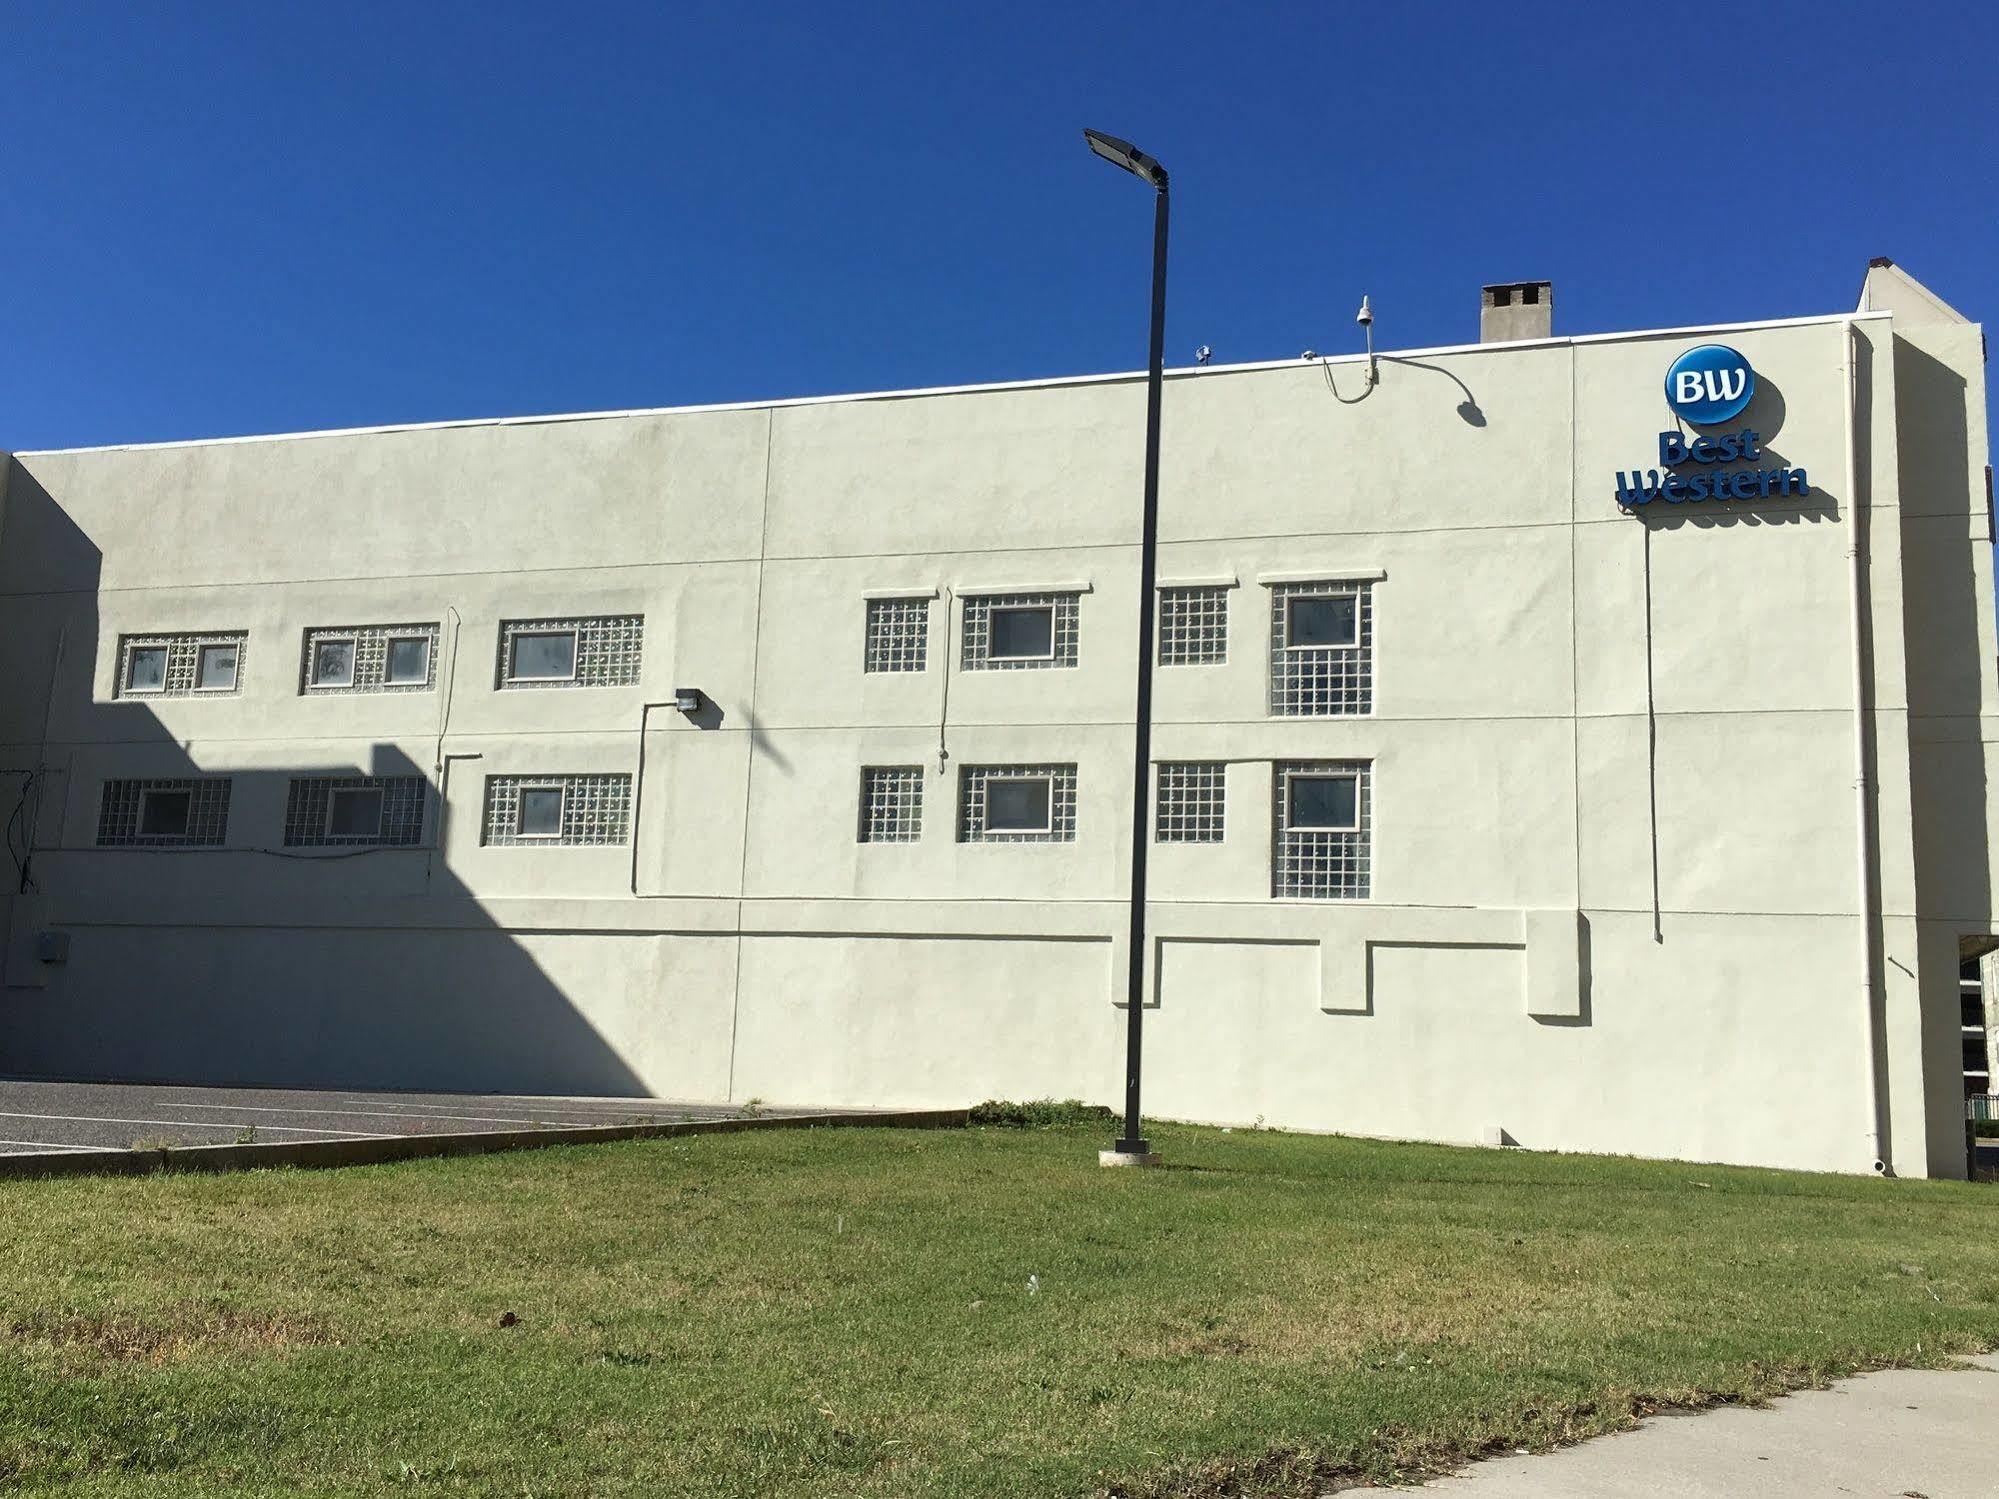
783 752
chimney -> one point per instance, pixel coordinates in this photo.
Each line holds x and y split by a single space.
1514 310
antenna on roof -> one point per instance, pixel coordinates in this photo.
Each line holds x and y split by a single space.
1203 354
1365 317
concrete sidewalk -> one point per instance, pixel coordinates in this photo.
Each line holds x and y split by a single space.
1882 1436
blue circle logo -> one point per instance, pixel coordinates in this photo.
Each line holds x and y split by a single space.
1709 385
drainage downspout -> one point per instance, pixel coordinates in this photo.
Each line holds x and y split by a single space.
1870 963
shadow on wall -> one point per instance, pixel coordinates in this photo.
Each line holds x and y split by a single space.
1949 659
250 963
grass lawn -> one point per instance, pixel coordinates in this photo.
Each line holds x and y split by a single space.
849 1313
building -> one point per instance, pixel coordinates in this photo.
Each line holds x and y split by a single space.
781 751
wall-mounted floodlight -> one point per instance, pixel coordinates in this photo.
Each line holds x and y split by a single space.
689 699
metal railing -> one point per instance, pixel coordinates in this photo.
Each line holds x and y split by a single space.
1983 1107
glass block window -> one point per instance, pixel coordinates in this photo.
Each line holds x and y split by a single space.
898 635
600 651
204 663
191 812
891 804
354 811
1193 626
1010 630
564 810
1017 804
369 658
1321 648
1323 829
1188 804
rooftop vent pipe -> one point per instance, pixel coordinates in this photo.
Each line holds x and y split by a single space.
1514 310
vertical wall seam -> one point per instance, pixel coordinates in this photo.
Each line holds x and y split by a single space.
1575 644
750 764
1651 735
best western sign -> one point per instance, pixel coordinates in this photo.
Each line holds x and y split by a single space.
1707 387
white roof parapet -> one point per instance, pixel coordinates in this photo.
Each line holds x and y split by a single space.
1051 382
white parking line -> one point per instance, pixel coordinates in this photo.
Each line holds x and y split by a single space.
282 1129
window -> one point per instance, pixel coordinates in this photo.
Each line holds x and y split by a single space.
598 651
1024 632
164 813
543 656
1189 801
539 814
215 669
354 812
206 662
567 810
348 811
1323 803
408 662
1193 626
1320 845
1322 624
333 663
369 658
1004 631
146 669
1017 804
191 812
891 804
898 635
1321 648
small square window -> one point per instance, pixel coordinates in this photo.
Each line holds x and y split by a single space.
215 669
354 812
1019 804
409 661
146 668
891 804
1323 623
165 814
333 663
1323 804
540 812
1022 633
543 656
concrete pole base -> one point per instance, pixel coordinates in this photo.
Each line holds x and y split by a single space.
1127 1158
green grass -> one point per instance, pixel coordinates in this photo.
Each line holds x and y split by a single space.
849 1313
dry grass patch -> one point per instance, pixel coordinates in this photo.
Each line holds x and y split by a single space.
186 1331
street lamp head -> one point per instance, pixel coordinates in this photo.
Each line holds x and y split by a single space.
1126 155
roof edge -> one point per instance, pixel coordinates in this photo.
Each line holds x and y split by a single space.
1050 382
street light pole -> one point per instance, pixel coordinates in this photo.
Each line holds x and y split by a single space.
1132 1148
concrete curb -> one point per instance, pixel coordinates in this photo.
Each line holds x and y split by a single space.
375 1149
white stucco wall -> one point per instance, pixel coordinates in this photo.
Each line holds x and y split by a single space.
1614 902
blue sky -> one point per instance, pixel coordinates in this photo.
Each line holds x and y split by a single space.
227 218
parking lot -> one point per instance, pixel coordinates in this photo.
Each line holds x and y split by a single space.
42 1117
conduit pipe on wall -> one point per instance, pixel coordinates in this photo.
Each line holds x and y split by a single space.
639 791
944 702
1870 966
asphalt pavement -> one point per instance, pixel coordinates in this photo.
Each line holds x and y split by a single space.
37 1117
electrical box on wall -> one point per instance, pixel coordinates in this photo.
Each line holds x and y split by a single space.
52 947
